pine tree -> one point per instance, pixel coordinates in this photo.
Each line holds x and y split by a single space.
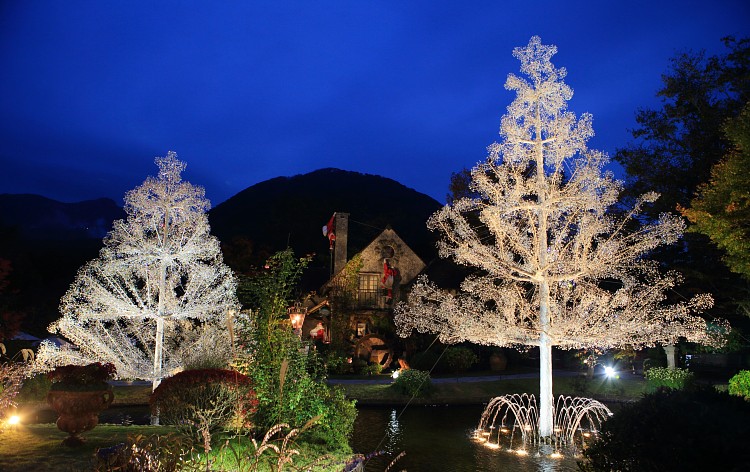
157 293
553 266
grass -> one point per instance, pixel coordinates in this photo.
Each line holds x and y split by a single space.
38 448
481 392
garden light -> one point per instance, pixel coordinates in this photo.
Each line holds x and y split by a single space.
297 315
395 374
609 371
14 420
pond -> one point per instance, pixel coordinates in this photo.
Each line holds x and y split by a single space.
438 438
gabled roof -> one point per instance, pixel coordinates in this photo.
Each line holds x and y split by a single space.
389 245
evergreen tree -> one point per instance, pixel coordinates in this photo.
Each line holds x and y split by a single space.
554 268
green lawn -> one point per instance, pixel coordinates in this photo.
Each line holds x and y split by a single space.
38 448
481 392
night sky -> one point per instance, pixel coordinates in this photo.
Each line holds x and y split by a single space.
91 92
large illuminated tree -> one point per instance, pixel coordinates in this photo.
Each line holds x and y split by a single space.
554 266
159 291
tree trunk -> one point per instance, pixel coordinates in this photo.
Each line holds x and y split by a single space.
546 400
157 364
671 356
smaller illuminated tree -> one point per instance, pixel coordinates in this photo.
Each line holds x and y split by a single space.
159 290
554 267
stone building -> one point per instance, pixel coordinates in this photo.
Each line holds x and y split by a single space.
360 296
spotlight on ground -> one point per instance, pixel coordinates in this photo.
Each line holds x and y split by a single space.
609 371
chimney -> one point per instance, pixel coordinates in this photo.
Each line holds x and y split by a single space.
342 234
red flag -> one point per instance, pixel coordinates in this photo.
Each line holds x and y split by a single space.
328 230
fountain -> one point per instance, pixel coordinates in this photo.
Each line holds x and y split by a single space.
511 422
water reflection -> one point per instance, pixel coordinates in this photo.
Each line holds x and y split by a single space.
438 438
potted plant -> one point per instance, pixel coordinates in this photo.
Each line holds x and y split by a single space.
78 393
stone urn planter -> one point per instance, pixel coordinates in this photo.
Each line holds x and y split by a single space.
78 411
78 394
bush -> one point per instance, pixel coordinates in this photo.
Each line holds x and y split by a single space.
359 365
335 426
685 430
35 388
458 359
677 379
200 402
413 382
424 360
157 453
337 364
370 369
739 385
92 376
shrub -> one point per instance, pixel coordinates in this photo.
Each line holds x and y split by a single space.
199 402
458 359
358 365
337 364
337 421
370 369
739 385
81 377
35 388
424 360
11 379
686 430
157 453
413 382
676 379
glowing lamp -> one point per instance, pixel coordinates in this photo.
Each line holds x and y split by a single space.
297 315
395 374
609 371
14 420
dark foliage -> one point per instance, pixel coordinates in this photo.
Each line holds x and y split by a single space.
675 430
291 211
81 377
674 149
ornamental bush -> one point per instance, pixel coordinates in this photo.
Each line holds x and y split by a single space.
200 402
685 430
413 382
458 359
739 385
676 379
92 376
424 360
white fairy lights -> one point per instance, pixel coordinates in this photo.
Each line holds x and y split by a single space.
554 266
158 290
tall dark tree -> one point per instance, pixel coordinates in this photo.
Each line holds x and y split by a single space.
722 209
676 145
675 148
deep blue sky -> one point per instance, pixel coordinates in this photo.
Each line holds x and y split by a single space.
91 92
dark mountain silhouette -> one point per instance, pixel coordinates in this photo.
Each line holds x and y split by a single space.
291 211
36 218
48 241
